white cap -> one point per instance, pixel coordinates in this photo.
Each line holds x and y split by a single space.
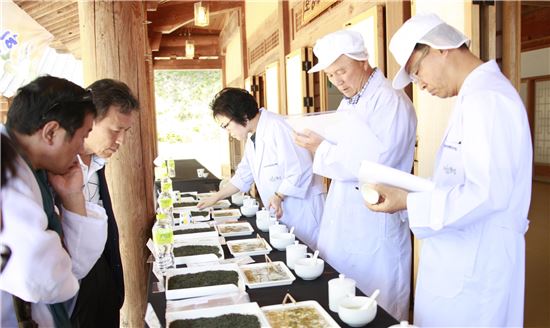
427 29
344 42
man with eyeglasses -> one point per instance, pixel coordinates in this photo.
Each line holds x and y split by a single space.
472 261
380 125
101 292
53 242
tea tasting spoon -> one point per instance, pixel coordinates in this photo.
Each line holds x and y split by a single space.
370 301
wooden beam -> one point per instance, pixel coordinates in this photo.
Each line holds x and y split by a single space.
55 17
534 29
63 26
151 5
170 40
154 40
180 51
188 64
167 18
39 9
173 16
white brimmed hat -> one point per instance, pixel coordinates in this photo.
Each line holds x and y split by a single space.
330 47
427 29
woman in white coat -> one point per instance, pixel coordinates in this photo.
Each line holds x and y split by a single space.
281 170
472 261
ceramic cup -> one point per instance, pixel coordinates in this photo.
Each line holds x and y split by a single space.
280 240
309 268
249 211
200 173
264 220
338 289
237 198
276 228
350 311
249 201
295 252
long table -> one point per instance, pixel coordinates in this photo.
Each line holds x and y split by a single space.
301 290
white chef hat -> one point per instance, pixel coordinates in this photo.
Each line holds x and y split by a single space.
427 29
344 42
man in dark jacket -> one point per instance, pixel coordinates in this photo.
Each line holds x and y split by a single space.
101 292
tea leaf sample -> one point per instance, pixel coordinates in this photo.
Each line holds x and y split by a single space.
189 250
265 273
232 320
194 230
249 246
199 213
296 317
202 279
232 228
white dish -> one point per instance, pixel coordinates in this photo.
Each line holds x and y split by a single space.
224 203
246 308
259 275
211 257
374 173
226 215
194 218
194 235
172 294
250 247
319 315
235 229
205 195
326 123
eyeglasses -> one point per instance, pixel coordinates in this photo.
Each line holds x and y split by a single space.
86 97
414 68
225 125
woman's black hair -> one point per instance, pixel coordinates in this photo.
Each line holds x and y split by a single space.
236 104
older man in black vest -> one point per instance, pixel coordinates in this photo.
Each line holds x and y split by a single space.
102 291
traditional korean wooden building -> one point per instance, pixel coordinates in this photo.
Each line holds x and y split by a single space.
265 46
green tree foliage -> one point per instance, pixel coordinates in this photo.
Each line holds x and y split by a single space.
182 104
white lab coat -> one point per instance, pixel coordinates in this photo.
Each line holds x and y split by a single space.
40 270
372 248
277 164
472 262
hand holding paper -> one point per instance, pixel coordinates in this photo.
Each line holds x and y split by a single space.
308 140
385 189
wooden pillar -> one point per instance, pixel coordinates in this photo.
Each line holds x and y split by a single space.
511 41
397 12
114 45
284 49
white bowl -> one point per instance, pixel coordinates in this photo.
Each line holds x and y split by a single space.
249 211
264 223
308 269
350 311
281 240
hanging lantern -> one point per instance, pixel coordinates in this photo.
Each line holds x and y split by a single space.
202 15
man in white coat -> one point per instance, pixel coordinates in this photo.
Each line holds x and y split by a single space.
281 170
380 125
472 261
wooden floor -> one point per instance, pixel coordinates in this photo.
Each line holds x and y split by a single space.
537 289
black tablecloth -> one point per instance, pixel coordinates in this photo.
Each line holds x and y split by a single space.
300 289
